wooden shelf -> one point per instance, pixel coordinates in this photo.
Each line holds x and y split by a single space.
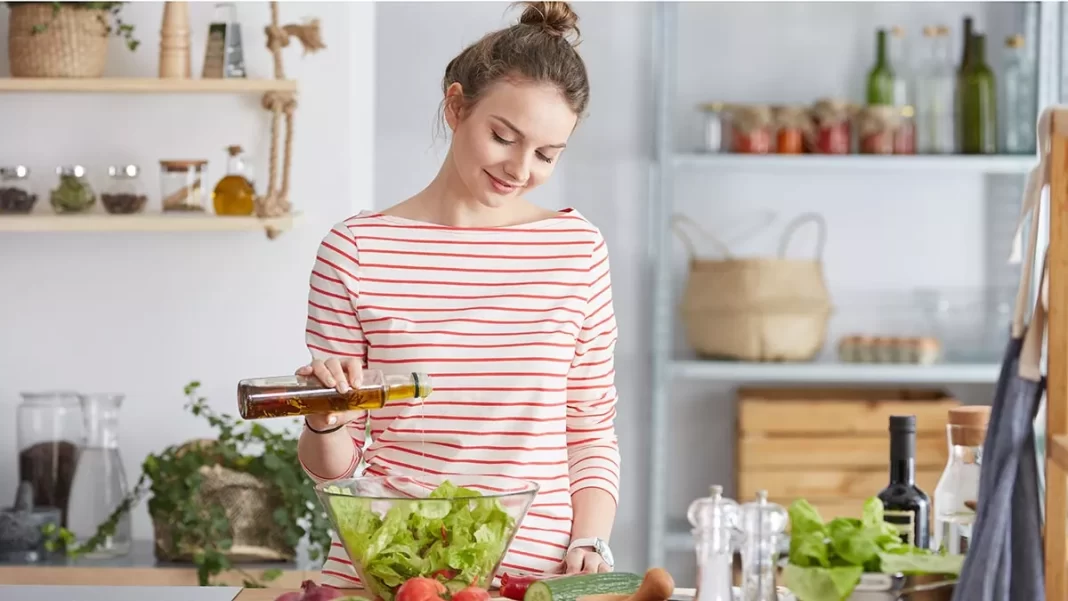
1013 164
145 222
146 85
837 373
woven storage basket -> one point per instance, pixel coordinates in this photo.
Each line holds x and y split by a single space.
249 504
756 309
73 42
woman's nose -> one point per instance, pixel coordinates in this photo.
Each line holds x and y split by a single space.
518 169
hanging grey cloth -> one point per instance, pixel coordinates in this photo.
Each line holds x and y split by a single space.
1005 557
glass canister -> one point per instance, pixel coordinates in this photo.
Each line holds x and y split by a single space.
124 192
763 525
100 483
73 193
182 185
751 129
16 190
877 127
792 126
714 115
50 433
715 526
832 127
958 488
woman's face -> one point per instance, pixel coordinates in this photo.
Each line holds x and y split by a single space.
510 141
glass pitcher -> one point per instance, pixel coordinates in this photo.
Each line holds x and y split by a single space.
50 432
100 480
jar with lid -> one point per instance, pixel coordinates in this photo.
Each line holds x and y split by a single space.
751 129
958 488
792 125
73 193
16 190
50 434
182 185
714 115
832 127
124 192
877 125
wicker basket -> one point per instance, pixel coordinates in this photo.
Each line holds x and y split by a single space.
73 42
756 309
250 504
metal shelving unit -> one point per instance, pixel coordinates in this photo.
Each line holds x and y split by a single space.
669 533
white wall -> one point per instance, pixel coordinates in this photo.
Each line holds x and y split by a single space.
144 314
885 232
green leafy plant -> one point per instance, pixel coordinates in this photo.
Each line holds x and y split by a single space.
172 478
114 25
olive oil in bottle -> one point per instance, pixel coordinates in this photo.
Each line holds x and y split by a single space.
290 396
906 506
234 195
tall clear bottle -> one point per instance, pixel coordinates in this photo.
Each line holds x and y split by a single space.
715 522
291 396
958 488
100 483
934 87
1018 119
901 64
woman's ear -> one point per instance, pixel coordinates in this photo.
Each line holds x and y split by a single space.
454 104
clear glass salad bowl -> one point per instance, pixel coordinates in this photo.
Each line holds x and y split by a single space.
455 528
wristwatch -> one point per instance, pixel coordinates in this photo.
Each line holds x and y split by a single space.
598 545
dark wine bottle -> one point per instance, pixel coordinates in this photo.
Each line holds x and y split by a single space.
906 507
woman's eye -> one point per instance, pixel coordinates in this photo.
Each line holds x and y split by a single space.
501 140
545 158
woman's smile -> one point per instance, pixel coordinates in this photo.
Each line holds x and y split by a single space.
501 186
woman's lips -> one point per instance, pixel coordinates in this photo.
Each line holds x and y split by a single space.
500 186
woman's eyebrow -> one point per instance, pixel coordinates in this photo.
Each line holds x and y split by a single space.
519 133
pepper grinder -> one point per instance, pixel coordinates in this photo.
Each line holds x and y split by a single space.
715 522
175 61
763 525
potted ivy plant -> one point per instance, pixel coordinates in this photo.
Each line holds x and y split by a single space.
208 498
64 39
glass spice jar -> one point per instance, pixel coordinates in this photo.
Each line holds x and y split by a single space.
905 135
72 193
182 185
877 127
124 193
792 125
714 117
832 127
751 129
16 190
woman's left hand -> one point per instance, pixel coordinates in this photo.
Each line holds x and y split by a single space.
584 560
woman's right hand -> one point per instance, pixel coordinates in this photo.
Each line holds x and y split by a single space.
341 375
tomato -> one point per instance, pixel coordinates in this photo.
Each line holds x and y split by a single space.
515 586
471 593
421 589
444 574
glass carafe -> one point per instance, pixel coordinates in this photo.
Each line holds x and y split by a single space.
958 488
50 432
100 479
715 521
763 525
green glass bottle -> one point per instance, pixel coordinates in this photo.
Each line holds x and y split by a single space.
881 76
978 102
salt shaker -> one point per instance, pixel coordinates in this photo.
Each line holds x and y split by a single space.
763 525
715 523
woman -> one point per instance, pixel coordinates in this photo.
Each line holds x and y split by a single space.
507 305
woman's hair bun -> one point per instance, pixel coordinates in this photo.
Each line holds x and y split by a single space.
556 18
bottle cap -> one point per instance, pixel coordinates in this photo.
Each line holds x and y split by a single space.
1014 41
929 31
903 423
973 416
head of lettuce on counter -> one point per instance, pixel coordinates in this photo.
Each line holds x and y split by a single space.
827 559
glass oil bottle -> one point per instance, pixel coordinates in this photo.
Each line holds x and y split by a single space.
234 195
290 396
763 524
715 526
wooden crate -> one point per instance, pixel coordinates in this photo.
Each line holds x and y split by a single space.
832 446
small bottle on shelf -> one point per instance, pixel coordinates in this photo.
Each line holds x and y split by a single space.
291 396
124 193
1018 120
935 85
906 507
234 195
881 77
978 102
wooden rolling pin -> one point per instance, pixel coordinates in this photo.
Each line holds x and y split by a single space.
657 585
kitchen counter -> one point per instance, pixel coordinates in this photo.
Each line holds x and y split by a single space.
139 567
270 594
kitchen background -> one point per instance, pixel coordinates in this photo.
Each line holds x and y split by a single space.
143 313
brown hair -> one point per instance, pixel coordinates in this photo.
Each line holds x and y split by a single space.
536 49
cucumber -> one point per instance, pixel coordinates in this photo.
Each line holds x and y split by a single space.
570 588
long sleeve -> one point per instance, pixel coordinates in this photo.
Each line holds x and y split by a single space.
593 449
333 328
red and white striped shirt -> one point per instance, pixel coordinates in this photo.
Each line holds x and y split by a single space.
516 327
